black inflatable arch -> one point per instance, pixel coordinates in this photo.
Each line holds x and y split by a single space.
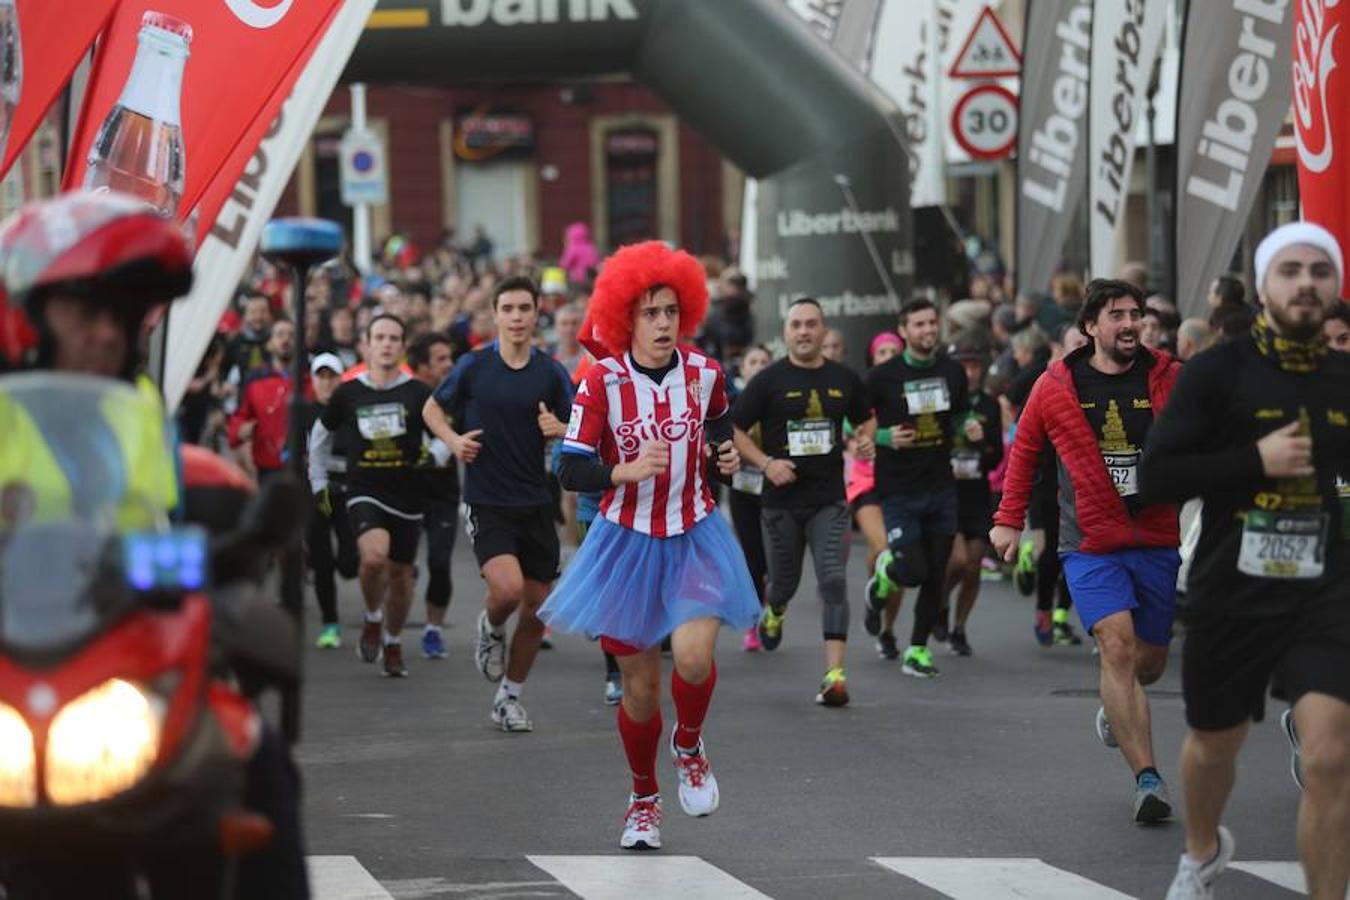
824 144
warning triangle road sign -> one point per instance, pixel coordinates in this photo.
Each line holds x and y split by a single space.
988 51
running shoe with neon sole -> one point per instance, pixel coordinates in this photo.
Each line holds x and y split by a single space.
879 588
833 689
1063 633
330 638
371 641
919 663
393 661
510 715
1152 800
751 643
489 652
433 645
642 823
1104 730
1044 628
1295 751
698 787
1024 571
1196 882
771 628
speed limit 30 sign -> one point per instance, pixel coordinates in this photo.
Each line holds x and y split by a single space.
984 121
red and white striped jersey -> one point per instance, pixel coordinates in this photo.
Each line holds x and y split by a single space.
617 409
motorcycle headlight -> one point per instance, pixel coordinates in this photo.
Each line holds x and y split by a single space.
18 763
102 743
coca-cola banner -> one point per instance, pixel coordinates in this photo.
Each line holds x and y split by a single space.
177 85
1126 35
1322 113
1052 145
1235 81
41 42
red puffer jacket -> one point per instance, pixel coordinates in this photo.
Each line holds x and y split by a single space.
1097 516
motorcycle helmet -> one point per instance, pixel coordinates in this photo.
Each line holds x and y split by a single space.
106 248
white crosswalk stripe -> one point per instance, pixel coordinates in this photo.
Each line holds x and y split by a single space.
648 877
998 879
662 877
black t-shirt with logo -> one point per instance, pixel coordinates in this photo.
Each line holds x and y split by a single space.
801 412
973 461
1120 413
935 401
1267 545
381 428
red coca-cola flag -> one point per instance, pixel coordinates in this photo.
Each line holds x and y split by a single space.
41 43
1322 114
178 85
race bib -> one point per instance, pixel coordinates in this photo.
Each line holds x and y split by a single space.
1283 545
749 480
382 421
966 465
810 437
1124 471
927 395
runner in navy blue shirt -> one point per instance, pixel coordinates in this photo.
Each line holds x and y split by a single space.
496 411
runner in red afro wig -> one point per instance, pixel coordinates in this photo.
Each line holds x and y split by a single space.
629 274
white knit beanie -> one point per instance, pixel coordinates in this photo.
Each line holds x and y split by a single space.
1309 233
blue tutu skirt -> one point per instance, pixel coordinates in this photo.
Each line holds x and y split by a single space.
635 588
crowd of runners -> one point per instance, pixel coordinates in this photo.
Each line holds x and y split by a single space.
1053 438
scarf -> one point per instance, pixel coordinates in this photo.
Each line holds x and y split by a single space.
1300 357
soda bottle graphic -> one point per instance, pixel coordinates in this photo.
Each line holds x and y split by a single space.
11 68
139 147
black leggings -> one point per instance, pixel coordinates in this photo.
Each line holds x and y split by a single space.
320 534
440 520
937 548
745 517
1049 570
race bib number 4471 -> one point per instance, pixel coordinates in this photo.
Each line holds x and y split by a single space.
1283 545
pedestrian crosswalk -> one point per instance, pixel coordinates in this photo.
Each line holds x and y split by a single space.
674 877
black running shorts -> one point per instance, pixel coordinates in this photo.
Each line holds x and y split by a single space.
405 529
526 532
1228 662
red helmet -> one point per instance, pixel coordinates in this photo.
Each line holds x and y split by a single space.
104 246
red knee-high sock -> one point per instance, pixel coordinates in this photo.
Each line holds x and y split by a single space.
640 741
691 707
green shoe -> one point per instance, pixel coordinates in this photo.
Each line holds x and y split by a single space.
919 663
330 638
771 628
1024 573
833 689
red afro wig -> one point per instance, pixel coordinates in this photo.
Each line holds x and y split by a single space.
630 273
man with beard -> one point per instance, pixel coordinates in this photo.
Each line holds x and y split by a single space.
261 420
921 401
1259 429
1095 408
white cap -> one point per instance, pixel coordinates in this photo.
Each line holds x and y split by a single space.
1288 235
327 361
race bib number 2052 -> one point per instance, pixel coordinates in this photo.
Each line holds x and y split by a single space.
1283 545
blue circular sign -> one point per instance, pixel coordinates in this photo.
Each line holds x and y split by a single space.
363 161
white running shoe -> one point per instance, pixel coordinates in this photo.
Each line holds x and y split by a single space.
642 823
1194 882
489 652
698 787
510 715
1104 729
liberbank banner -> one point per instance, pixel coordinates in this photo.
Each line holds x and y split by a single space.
1235 88
1126 36
1052 146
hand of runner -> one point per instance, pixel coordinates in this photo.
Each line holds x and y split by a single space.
728 458
1004 540
549 423
903 436
781 472
1284 454
466 446
974 430
865 448
653 459
323 502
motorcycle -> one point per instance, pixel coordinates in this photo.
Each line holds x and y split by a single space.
130 653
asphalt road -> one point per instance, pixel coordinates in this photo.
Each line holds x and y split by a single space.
411 792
